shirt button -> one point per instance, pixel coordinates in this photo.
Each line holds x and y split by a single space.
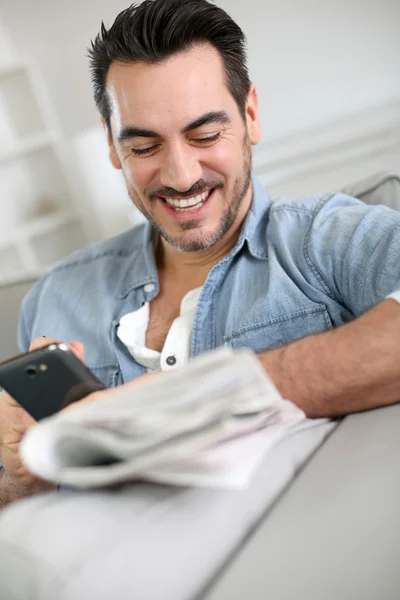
149 287
171 360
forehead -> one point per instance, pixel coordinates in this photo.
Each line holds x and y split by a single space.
173 92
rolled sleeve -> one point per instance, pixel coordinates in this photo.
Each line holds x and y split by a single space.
355 248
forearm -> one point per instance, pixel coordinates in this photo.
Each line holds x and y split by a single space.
10 491
349 369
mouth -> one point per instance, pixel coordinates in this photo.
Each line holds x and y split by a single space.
184 207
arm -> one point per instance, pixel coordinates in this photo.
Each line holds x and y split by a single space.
352 253
349 369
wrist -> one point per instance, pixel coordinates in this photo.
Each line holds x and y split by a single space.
274 363
12 490
288 367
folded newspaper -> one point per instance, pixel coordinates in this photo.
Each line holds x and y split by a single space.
209 424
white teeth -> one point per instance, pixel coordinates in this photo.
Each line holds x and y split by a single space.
197 206
188 202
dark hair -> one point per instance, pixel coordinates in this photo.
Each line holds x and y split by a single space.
157 29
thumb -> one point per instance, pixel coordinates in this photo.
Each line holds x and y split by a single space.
79 349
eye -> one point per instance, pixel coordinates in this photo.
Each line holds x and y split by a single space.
208 140
142 151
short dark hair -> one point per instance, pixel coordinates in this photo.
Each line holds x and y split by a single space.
157 29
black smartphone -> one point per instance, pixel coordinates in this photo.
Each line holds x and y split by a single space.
46 380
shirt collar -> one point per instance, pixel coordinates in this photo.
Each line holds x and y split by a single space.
254 227
142 270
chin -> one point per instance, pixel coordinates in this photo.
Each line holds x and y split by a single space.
194 243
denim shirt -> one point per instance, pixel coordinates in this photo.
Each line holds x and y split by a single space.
298 268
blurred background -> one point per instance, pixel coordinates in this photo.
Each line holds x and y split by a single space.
328 77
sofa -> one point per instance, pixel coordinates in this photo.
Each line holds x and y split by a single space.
11 296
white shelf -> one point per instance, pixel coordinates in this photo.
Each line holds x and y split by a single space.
57 243
33 249
24 275
39 226
41 220
20 104
10 262
11 70
33 186
26 146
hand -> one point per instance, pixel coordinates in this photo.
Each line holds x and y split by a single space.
16 480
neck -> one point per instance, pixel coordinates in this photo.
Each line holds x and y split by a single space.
197 265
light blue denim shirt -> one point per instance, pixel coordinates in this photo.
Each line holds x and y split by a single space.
298 268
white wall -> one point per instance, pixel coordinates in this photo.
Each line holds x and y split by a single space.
317 60
328 75
313 61
56 34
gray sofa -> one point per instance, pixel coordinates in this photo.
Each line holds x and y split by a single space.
11 296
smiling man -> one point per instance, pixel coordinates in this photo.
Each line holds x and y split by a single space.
311 286
188 170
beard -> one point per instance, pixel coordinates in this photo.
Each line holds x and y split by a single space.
203 241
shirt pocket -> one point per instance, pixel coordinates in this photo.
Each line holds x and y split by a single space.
109 375
266 334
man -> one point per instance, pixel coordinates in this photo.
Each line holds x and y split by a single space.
302 284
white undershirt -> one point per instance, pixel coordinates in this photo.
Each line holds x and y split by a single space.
176 351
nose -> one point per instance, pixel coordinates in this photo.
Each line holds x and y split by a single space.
181 168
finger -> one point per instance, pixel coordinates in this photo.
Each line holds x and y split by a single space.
7 401
17 422
41 342
11 441
18 475
79 350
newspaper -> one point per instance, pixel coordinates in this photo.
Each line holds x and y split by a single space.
209 424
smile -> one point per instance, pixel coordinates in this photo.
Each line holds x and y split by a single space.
188 204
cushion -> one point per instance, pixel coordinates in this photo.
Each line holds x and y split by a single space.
11 296
381 188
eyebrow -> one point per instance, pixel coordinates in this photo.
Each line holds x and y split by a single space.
211 117
129 132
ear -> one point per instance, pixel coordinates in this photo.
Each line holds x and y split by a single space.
112 154
252 120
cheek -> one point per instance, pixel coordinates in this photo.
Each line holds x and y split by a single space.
227 155
138 175
224 162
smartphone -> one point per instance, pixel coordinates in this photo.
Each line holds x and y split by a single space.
46 380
